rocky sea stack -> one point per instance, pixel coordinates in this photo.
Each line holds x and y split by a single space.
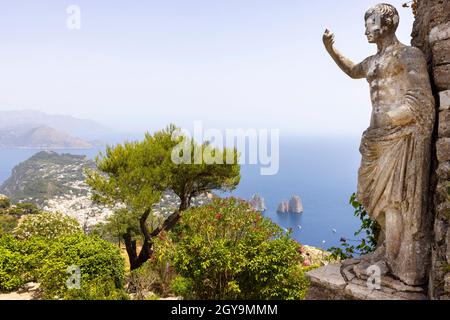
292 206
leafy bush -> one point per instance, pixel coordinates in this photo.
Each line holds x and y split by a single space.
12 264
5 203
366 245
49 225
95 257
8 223
182 287
46 261
24 209
97 289
227 250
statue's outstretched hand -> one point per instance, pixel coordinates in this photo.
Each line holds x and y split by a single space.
328 39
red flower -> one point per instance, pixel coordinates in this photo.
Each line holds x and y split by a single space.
306 263
218 216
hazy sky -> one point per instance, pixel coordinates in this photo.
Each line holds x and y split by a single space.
139 65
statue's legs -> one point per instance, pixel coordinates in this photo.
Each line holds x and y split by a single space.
394 234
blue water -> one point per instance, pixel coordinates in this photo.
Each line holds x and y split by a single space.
323 172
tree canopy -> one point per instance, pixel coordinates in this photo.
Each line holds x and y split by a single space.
133 176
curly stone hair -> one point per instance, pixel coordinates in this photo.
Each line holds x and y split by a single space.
387 13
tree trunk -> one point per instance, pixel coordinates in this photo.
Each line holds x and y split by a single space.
185 203
146 252
130 245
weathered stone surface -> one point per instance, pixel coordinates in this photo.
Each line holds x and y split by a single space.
328 276
442 77
444 124
439 33
443 149
448 249
317 292
440 228
362 292
399 286
328 284
441 52
411 296
361 270
347 273
447 283
444 99
443 170
432 33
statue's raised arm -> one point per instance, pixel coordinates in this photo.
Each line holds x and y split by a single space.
355 71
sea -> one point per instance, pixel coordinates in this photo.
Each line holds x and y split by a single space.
322 171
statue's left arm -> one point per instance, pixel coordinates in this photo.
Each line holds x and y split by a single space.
418 94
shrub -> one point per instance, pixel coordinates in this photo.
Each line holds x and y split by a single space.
227 250
182 287
5 203
25 209
97 289
8 223
47 260
96 258
12 264
49 225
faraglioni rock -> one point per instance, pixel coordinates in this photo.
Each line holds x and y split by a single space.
283 207
395 149
292 206
258 203
295 205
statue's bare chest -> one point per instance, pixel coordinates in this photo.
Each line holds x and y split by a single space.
385 69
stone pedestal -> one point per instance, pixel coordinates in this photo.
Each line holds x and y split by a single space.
328 283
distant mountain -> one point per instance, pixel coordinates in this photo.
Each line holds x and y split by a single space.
40 138
25 120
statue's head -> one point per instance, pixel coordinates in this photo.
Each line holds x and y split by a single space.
381 20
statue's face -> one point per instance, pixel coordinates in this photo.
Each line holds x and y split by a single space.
373 29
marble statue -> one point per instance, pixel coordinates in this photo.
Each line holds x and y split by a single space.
394 173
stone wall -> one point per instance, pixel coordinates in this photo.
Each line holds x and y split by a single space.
432 34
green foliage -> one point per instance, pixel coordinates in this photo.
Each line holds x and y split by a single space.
5 203
192 177
97 259
46 261
369 228
10 214
135 174
25 209
8 223
97 289
47 225
182 287
12 264
227 250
